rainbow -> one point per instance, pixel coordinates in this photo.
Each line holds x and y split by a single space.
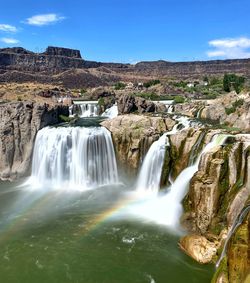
12 226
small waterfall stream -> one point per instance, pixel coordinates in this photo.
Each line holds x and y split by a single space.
150 173
74 157
88 110
151 170
84 110
111 112
239 220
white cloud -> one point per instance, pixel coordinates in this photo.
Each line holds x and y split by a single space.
45 19
7 28
230 48
8 40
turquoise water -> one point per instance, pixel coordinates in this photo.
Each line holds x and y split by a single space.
74 237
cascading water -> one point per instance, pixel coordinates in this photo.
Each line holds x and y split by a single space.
73 157
170 108
167 210
111 112
178 189
84 110
88 110
150 173
151 170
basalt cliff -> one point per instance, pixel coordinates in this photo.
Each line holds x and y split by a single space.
66 66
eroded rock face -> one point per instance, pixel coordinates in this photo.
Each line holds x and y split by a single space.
185 146
133 135
129 104
219 190
235 267
19 123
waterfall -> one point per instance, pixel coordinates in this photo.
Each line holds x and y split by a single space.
170 108
83 110
151 170
198 115
73 157
167 209
88 110
111 112
150 173
234 227
177 191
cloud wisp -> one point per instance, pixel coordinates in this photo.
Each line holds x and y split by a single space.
8 28
230 48
44 19
9 40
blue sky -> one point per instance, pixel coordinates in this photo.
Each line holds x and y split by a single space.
130 30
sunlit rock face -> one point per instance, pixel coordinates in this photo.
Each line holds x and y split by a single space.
19 123
199 248
133 135
218 193
221 186
128 103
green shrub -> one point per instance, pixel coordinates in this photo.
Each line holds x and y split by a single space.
119 86
215 81
65 118
101 101
151 83
179 99
83 91
232 81
180 84
148 95
235 105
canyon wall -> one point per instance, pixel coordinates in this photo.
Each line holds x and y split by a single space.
19 123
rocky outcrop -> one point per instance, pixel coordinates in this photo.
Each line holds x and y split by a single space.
53 60
219 190
235 267
194 69
184 149
65 52
128 103
199 248
133 135
231 110
19 123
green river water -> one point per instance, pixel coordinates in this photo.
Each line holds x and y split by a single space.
73 237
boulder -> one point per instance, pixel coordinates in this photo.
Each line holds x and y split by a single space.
199 248
128 103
